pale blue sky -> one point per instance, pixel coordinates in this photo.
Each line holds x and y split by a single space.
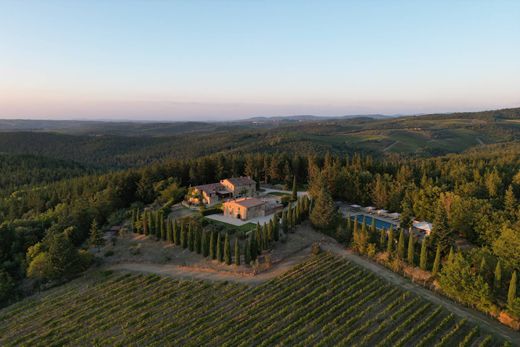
121 59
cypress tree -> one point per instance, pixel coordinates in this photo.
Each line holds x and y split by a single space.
390 244
176 233
150 223
400 245
276 229
254 248
294 194
163 231
237 252
285 225
220 254
184 236
212 246
411 250
198 242
382 239
289 217
169 231
191 238
145 223
270 231
133 220
157 224
247 252
511 293
423 262
355 229
498 276
265 236
483 267
204 244
227 250
437 261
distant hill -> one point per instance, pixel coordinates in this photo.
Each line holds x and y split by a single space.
308 118
125 144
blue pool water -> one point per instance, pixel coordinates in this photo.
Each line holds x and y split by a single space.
380 224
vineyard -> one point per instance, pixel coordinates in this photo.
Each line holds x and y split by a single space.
323 301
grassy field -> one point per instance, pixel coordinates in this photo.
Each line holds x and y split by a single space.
321 302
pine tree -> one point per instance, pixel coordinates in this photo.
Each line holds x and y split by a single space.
213 246
390 243
423 261
184 236
227 250
169 231
511 293
411 250
237 252
441 232
323 215
220 253
96 235
498 276
247 251
294 194
510 204
437 261
400 245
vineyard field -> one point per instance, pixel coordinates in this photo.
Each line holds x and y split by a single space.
323 301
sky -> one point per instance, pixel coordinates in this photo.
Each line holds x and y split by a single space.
216 60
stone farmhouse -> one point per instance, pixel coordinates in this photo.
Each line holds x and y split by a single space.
247 208
214 193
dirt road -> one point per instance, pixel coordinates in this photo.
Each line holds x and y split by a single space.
328 244
489 323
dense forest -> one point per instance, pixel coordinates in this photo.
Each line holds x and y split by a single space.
53 186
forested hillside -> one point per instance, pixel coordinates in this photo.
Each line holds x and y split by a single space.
56 186
123 145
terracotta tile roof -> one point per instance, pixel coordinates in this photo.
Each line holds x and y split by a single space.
249 202
211 187
240 181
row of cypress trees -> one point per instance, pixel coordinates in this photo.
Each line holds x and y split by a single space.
405 248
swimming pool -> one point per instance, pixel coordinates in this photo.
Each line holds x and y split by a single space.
380 224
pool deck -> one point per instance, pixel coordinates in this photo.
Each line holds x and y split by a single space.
347 211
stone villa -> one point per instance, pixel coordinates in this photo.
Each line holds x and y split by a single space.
214 193
247 208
